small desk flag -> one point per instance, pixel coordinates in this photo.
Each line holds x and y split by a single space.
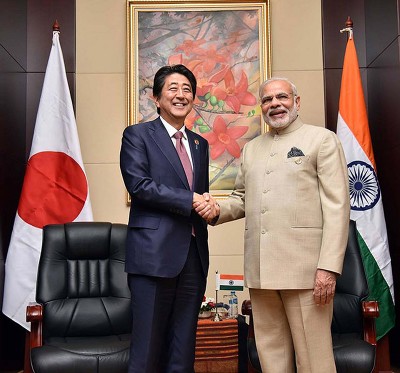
229 282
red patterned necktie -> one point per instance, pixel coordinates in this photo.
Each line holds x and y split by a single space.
187 166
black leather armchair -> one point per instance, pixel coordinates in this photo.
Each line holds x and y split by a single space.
82 319
353 324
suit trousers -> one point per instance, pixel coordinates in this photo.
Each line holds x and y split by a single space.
165 313
290 329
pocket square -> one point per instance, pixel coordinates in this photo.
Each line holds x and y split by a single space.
295 152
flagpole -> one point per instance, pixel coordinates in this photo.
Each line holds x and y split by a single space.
348 28
217 317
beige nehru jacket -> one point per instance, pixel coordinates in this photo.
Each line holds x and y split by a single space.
292 188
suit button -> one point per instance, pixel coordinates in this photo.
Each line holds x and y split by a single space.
263 231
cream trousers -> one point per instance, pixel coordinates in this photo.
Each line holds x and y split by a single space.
290 328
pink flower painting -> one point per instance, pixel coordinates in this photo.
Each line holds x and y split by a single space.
222 49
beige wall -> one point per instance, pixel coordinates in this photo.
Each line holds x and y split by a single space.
101 103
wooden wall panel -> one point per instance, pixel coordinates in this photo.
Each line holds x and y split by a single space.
384 119
25 43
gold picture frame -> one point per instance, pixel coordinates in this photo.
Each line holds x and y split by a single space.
227 46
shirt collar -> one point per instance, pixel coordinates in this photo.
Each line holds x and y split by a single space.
172 130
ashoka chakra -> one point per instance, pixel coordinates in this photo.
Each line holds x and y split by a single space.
364 186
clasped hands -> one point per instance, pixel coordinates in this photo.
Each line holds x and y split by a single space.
206 206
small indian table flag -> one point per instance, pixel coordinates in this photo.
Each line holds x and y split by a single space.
229 282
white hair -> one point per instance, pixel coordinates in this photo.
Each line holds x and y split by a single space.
276 78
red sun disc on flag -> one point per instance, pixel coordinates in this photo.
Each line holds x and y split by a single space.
54 191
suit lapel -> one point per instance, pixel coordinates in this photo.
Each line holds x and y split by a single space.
160 136
195 153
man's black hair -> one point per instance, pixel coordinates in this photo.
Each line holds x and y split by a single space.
163 72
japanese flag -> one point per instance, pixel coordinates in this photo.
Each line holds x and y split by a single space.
55 188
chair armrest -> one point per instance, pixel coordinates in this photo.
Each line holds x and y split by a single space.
246 307
247 310
34 315
370 310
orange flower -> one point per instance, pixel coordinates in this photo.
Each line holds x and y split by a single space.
233 94
210 57
177 59
222 138
188 45
190 119
203 86
203 83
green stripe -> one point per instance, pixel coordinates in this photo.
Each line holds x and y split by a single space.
230 287
378 290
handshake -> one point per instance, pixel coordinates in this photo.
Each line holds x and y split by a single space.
206 206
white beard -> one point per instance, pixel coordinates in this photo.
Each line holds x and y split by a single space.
281 123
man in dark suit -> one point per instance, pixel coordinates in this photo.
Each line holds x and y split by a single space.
167 249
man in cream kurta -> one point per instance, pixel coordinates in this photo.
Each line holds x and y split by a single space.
292 188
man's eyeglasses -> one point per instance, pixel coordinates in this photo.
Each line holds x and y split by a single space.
281 97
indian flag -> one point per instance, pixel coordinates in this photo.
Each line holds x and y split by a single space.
365 192
229 282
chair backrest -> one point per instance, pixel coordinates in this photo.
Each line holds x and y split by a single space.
351 289
81 280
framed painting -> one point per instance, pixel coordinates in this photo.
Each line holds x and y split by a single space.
227 47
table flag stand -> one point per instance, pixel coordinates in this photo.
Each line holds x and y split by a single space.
217 316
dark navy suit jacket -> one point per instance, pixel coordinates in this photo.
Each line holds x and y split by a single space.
161 215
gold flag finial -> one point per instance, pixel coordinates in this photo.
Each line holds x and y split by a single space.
348 28
56 26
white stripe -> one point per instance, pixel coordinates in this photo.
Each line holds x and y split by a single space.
234 282
350 144
371 223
